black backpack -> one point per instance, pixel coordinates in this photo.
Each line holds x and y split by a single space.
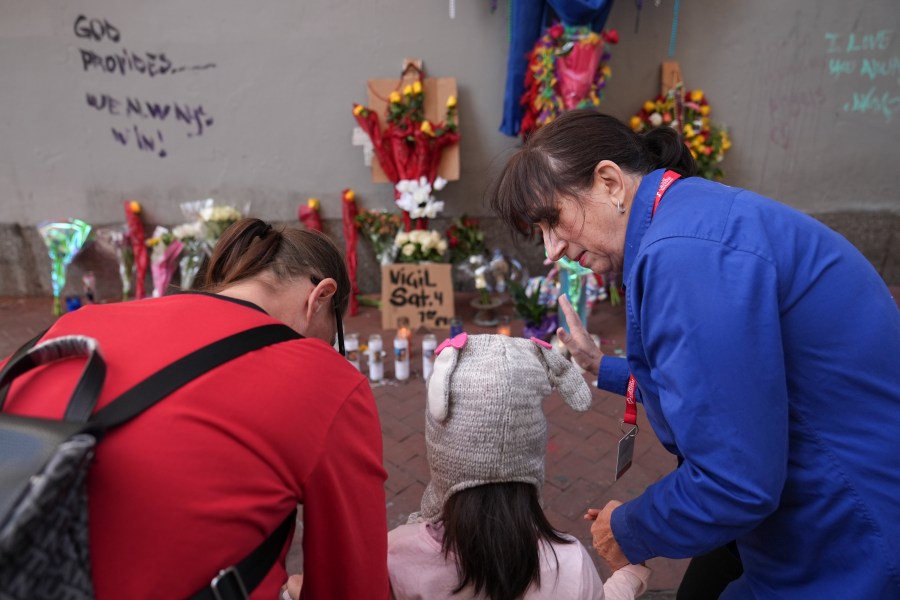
44 550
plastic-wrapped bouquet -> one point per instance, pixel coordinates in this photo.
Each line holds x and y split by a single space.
216 218
115 239
64 240
420 245
193 251
164 251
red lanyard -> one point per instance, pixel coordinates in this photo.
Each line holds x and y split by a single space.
630 407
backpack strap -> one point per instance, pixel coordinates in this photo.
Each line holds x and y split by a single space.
168 379
246 575
236 582
87 390
4 390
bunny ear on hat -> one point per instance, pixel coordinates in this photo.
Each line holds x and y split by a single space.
446 355
565 377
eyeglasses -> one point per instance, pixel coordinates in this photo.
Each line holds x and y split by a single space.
339 325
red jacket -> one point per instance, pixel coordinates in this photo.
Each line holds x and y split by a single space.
197 481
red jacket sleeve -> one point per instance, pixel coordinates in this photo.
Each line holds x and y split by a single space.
344 515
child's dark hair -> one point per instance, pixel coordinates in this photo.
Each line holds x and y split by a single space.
495 533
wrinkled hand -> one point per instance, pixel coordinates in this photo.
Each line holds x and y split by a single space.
578 342
604 542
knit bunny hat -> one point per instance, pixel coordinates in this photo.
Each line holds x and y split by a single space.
485 421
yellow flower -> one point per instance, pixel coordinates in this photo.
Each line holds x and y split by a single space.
607 71
688 131
349 195
451 102
649 106
407 90
592 38
694 153
697 95
135 206
417 87
726 143
152 242
395 97
426 128
704 110
635 122
357 110
313 203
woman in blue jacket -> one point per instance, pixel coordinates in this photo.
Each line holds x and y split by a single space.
764 347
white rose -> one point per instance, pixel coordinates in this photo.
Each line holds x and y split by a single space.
402 238
442 246
656 119
409 250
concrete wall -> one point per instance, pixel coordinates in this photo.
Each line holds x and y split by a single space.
808 91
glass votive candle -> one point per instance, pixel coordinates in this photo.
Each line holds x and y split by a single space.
401 357
429 343
376 357
503 327
351 345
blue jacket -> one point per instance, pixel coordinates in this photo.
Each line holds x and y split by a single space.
766 350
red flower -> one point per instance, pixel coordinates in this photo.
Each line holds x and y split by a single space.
611 36
556 31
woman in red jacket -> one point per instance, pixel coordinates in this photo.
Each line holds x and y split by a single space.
197 481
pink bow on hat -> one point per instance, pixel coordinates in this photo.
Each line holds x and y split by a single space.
457 342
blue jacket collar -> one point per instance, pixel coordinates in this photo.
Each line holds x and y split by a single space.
639 219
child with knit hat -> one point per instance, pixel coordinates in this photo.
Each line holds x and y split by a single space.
481 532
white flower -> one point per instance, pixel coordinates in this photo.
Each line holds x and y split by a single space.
402 238
442 246
439 183
189 231
409 249
656 119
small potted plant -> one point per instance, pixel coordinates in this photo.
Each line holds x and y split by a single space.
538 313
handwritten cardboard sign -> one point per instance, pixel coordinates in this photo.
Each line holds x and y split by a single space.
423 293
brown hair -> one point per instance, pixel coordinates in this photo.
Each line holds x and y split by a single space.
559 160
252 246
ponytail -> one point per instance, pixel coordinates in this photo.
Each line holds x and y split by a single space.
252 246
667 150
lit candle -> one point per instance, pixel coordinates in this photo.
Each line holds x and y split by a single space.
503 327
401 357
376 356
351 345
403 329
429 343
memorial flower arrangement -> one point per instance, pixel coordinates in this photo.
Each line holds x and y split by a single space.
409 148
164 251
688 112
64 240
216 219
464 238
193 251
380 227
567 69
420 245
115 240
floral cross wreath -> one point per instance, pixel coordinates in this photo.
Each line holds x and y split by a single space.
567 69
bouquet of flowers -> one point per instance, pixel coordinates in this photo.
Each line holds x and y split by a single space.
193 251
420 245
164 251
215 218
688 113
64 240
568 68
465 239
416 199
410 146
380 227
115 240
535 303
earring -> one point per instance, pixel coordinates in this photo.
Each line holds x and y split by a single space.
620 207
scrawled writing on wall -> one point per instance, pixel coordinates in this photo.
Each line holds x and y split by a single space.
139 122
